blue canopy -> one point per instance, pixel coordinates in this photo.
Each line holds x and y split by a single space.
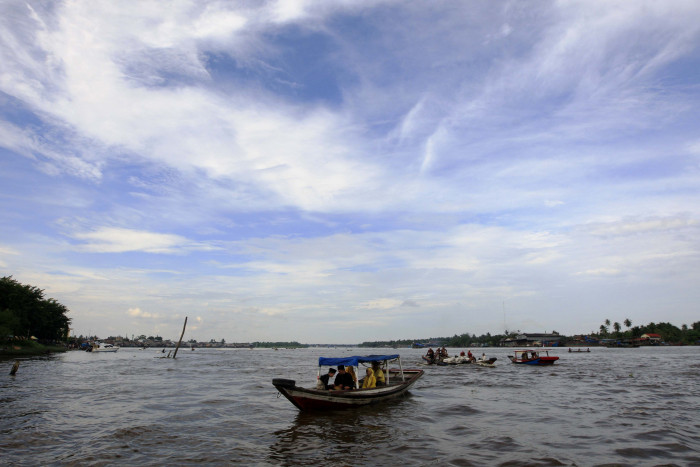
353 361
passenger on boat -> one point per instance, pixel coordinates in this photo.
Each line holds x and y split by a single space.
483 358
324 379
351 372
469 355
378 374
461 354
430 354
444 352
343 380
369 381
534 354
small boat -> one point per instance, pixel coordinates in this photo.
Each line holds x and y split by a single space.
456 360
531 357
489 363
435 361
100 347
398 382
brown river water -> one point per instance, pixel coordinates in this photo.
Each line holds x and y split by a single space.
218 407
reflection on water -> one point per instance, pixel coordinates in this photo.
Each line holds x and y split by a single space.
610 406
326 436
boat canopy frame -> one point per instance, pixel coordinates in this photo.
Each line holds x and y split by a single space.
355 360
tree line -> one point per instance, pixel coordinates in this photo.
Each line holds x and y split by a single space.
669 333
25 312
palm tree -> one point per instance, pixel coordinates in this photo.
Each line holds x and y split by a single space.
617 327
603 330
628 323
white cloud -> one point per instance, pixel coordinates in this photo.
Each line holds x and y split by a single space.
634 226
138 313
447 157
119 240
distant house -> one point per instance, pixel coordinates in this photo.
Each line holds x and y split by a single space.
651 338
532 340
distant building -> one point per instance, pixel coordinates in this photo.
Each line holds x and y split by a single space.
650 338
532 340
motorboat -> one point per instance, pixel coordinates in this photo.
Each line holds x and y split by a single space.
101 347
532 357
398 382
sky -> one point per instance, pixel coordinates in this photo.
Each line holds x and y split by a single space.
352 171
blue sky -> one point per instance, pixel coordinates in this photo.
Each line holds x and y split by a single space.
352 171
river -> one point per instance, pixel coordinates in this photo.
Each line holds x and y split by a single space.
610 406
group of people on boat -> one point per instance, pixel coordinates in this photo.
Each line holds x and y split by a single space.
345 378
533 356
438 355
441 354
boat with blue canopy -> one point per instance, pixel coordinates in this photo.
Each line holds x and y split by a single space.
397 382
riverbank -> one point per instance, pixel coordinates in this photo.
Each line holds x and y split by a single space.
28 348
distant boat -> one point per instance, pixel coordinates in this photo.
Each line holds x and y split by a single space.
531 357
398 382
100 347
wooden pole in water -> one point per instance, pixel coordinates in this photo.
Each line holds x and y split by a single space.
15 367
180 341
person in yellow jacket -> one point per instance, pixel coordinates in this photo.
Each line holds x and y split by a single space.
369 381
378 374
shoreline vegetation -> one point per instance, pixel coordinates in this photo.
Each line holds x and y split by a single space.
28 348
31 325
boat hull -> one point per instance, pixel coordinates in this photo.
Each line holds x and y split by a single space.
314 399
535 361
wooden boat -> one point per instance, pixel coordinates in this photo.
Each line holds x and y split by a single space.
398 382
487 363
534 357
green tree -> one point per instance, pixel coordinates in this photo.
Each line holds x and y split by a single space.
27 313
617 327
628 323
9 324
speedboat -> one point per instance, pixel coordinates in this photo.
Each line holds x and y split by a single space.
100 347
398 382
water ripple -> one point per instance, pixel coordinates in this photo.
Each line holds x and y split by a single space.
609 407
